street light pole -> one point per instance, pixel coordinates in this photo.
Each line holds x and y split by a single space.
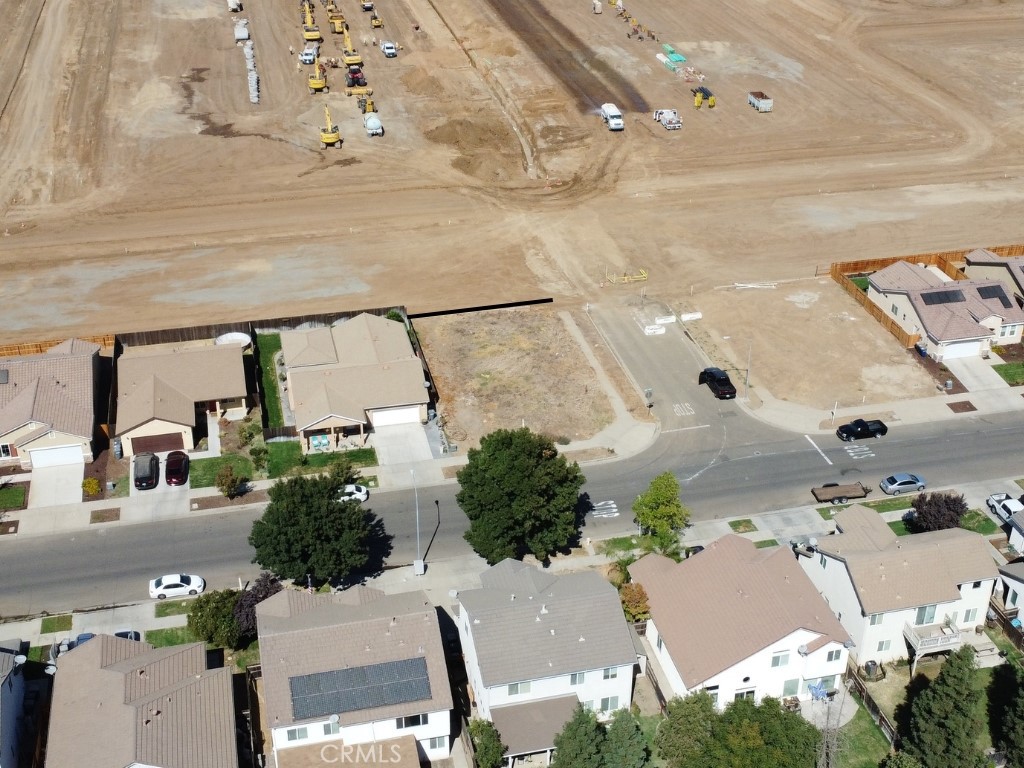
417 566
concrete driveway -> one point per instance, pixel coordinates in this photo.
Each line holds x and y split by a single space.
975 374
56 486
401 444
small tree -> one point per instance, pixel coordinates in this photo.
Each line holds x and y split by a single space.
624 744
1013 724
659 509
487 746
937 512
266 585
212 618
634 602
900 760
688 729
944 719
520 496
580 743
227 481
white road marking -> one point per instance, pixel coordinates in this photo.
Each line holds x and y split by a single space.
605 509
826 458
858 452
684 429
683 409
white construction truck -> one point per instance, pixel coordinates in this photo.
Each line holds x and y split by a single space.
372 124
613 117
668 118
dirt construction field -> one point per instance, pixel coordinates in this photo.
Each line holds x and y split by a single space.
139 188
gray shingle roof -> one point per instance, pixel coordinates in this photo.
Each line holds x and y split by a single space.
530 728
527 624
303 635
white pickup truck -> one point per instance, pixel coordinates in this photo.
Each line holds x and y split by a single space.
1004 506
309 53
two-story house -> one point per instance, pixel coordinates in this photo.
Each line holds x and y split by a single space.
536 645
739 622
900 596
353 669
12 696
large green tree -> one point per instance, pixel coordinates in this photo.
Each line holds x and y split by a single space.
212 618
900 760
580 742
624 745
658 509
1013 722
520 496
945 717
487 747
306 530
687 731
266 585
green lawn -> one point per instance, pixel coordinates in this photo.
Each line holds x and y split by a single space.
286 455
746 525
166 608
899 527
977 521
864 745
161 638
860 282
12 496
1012 373
825 513
60 623
269 345
1003 643
40 653
649 727
621 545
766 543
245 657
203 472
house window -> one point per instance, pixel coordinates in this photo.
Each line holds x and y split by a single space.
780 659
748 694
610 673
976 585
970 615
895 310
884 645
876 619
609 703
661 643
925 615
834 655
712 691
1013 597
588 705
438 742
410 722
5 451
330 729
297 734
828 683
514 689
576 678
822 560
790 687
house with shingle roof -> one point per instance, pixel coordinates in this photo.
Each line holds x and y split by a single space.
739 622
536 645
982 264
348 379
954 318
12 699
120 702
48 406
352 669
165 391
1011 586
900 596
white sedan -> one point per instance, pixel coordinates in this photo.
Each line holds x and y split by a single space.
354 493
176 585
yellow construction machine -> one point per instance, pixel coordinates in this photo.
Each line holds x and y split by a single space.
329 134
349 55
310 31
376 21
318 79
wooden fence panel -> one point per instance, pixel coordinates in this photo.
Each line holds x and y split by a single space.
39 347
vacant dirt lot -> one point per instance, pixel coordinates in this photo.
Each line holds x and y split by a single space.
139 188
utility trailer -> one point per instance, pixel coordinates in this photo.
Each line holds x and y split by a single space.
760 101
835 493
668 118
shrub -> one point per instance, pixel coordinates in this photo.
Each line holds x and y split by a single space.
227 481
91 486
260 454
249 431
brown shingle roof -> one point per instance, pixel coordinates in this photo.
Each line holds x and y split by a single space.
302 634
154 398
55 388
891 572
530 728
904 276
730 601
402 752
118 702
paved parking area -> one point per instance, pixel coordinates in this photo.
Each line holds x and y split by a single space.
56 486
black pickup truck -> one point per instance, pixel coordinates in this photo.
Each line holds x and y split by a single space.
858 429
718 382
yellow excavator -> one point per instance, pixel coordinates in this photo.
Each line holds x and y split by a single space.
310 31
329 134
349 55
376 21
318 79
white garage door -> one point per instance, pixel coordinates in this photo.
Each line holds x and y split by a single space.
391 416
52 457
967 349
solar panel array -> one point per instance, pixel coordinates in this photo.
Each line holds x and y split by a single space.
942 297
995 292
358 688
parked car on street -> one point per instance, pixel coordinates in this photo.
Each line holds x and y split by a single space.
176 585
354 493
902 482
176 468
146 470
718 382
1004 506
858 429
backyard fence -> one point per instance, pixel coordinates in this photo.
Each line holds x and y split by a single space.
885 725
39 347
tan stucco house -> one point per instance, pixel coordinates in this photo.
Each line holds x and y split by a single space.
344 380
47 406
164 391
982 264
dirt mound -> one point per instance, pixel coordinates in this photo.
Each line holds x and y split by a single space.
489 150
422 84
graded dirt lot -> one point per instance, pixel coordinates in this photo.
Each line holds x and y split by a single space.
139 188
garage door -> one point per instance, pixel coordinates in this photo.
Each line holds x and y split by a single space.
955 351
158 443
53 457
390 416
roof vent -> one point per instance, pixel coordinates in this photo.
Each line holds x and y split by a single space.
537 619
544 608
848 644
513 597
4 375
812 542
552 631
582 639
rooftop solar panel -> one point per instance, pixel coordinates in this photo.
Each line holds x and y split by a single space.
994 292
933 298
359 688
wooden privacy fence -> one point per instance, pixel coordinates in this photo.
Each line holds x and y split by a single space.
885 725
906 339
39 347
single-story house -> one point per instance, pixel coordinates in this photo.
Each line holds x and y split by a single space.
740 622
347 379
119 702
900 596
982 264
48 406
537 645
164 392
12 701
352 668
955 318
